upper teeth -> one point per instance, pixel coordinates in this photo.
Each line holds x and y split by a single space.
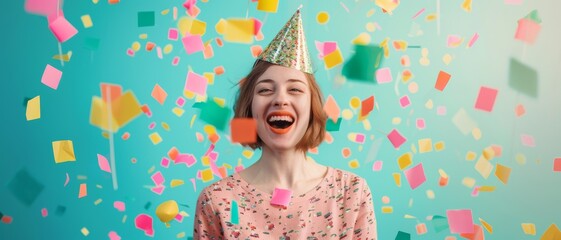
280 118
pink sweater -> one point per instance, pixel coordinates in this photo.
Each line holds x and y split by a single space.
339 207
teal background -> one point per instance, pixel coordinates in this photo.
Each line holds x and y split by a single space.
531 195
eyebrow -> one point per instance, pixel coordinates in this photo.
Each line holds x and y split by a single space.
268 80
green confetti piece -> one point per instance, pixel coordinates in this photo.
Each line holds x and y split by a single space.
25 187
364 63
523 78
147 205
60 210
234 214
146 19
533 15
403 236
439 223
214 114
330 126
91 43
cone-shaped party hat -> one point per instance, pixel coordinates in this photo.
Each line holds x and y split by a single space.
289 47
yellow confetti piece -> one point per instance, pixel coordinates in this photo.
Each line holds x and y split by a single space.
98 201
442 173
239 30
155 138
33 109
484 167
425 145
95 1
470 156
87 21
466 5
370 12
143 36
430 194
193 121
502 172
487 188
429 104
209 77
63 151
188 94
220 26
247 153
520 158
209 129
164 12
347 114
168 48
413 148
400 45
486 225
468 182
165 126
447 58
205 160
268 5
354 164
387 209
180 235
207 175
220 101
178 111
322 17
405 160
431 17
81 177
124 219
407 216
136 46
396 120
228 166
354 102
85 231
176 182
439 146
370 27
529 228
333 59
362 39
397 179
151 169
65 57
366 125
476 133
488 153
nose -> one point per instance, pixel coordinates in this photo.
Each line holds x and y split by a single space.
280 99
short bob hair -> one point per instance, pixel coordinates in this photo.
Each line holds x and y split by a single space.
316 127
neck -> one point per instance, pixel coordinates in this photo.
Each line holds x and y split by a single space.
283 168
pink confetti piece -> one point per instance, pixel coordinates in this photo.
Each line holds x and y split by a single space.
453 41
62 29
120 206
158 178
180 101
329 47
418 13
103 163
196 83
475 191
415 176
192 43
460 221
360 138
404 101
194 184
152 125
158 190
383 75
256 26
44 212
396 138
159 52
51 77
130 52
175 61
179 218
144 223
209 150
165 162
420 122
114 236
238 168
473 39
441 110
527 140
187 159
172 34
213 156
527 30
281 197
377 166
41 7
67 180
486 98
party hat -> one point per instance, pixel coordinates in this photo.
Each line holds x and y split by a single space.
289 47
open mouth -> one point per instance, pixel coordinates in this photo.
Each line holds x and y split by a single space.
280 122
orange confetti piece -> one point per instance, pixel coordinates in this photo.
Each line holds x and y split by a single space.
150 46
219 70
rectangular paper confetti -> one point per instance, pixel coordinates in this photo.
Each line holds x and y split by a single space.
396 138
51 77
281 197
62 29
243 130
383 75
460 221
486 99
33 109
415 176
442 80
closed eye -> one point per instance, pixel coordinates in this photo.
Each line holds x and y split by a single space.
295 90
264 90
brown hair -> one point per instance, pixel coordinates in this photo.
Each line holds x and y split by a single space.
316 127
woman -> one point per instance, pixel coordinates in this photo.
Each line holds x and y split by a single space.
285 195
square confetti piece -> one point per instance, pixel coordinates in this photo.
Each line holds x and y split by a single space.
268 5
196 83
63 151
244 130
396 138
25 187
159 94
173 34
155 138
383 75
460 221
62 29
404 101
442 80
425 145
51 77
486 99
146 19
557 164
33 109
415 176
193 44
87 21
333 59
281 197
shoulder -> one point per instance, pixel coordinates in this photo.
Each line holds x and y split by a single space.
219 189
346 178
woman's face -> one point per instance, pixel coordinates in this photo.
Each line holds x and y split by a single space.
281 104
